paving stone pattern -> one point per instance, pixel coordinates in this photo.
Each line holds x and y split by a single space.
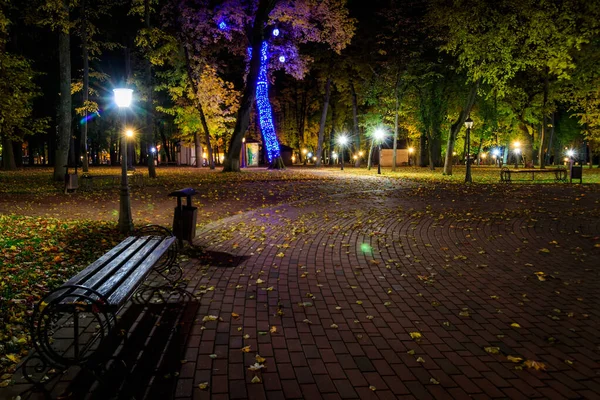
346 279
377 288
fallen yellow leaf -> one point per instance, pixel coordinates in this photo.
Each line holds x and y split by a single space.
246 349
535 364
492 350
259 359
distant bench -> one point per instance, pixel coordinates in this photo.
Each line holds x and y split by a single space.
90 182
506 174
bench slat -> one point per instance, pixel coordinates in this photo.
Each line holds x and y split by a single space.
101 272
100 263
126 287
120 270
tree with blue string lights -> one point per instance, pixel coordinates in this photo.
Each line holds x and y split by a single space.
268 34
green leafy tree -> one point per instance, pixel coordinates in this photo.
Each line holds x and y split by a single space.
17 92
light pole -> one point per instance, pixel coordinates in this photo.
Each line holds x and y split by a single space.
153 151
495 154
123 100
342 140
468 125
304 151
411 150
517 151
379 135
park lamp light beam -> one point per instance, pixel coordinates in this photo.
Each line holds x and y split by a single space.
570 153
342 141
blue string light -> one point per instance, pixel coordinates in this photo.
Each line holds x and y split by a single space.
265 114
222 25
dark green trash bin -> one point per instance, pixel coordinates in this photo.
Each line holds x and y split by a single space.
576 173
185 216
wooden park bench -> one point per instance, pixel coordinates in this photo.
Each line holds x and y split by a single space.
506 174
72 325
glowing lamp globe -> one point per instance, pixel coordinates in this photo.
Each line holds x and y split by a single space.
496 152
275 32
570 153
469 123
282 59
379 134
153 149
123 97
129 133
343 140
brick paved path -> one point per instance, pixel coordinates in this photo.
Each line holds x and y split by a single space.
346 279
375 288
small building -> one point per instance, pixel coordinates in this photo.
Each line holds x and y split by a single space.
387 157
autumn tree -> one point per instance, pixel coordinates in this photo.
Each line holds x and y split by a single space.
243 27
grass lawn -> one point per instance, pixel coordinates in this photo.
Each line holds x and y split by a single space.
46 236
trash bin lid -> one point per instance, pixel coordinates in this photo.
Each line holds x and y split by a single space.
183 192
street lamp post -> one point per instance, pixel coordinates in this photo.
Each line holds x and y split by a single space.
379 136
517 151
468 125
342 140
123 100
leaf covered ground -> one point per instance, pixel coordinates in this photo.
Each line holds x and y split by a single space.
46 236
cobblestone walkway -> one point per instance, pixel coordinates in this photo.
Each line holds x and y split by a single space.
379 295
376 288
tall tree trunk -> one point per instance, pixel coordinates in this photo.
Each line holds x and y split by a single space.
541 153
232 161
114 159
148 143
323 120
8 156
211 158
332 134
369 163
457 125
194 80
431 151
165 145
64 108
422 161
550 144
397 108
355 133
86 86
